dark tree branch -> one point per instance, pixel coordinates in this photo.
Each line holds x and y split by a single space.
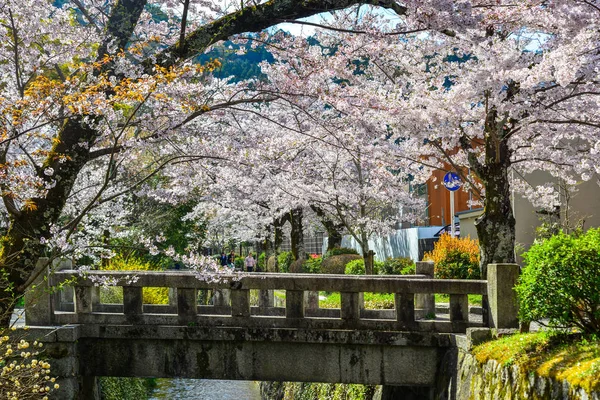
254 19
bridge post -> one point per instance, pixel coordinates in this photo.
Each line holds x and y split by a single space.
425 301
38 300
502 298
64 298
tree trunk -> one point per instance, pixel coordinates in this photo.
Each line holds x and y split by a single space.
496 227
278 236
364 245
334 235
297 234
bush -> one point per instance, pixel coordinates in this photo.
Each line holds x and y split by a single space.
397 266
313 264
337 251
285 259
561 280
455 258
261 263
357 267
239 262
337 264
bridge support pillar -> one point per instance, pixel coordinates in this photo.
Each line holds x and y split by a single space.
389 392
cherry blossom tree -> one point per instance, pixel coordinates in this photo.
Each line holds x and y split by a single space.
91 86
493 90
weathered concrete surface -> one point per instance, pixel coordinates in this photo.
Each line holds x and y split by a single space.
79 353
491 381
502 297
262 354
303 362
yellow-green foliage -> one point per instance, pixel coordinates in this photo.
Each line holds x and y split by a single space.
573 358
154 295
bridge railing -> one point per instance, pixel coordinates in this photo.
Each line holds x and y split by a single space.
232 307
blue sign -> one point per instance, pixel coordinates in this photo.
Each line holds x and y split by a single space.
452 181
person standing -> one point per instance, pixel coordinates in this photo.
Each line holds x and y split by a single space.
223 259
250 263
231 260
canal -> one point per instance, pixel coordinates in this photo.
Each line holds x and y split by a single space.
205 389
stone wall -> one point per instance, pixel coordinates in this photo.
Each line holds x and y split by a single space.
492 381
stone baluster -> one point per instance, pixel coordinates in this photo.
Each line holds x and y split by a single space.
294 304
266 299
172 300
133 303
405 309
187 309
425 301
459 311
350 307
240 303
83 299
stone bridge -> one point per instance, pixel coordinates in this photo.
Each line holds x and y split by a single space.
233 339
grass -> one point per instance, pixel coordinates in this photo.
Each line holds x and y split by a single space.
384 300
474 299
372 300
560 356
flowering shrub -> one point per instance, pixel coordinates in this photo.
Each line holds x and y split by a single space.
455 258
24 375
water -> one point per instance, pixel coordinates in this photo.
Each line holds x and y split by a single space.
205 389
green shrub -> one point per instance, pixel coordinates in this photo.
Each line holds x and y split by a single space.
313 264
561 280
285 259
261 263
239 262
336 251
357 267
337 264
397 266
